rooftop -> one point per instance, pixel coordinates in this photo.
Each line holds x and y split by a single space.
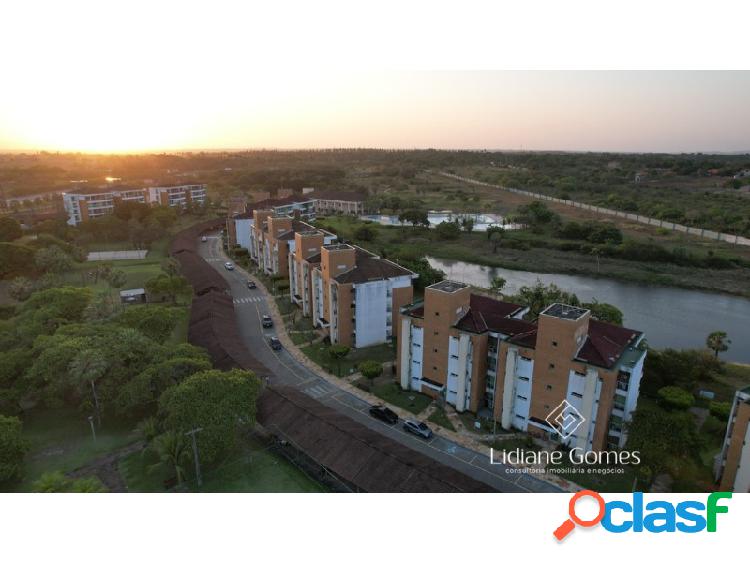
338 196
564 311
338 247
448 286
372 268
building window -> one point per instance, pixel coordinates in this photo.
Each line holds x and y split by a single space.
577 394
435 333
524 379
551 365
437 314
549 387
554 343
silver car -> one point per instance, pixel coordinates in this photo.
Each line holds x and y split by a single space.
420 429
229 266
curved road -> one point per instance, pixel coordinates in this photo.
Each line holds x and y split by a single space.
250 305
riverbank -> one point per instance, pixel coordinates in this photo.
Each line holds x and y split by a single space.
517 251
541 260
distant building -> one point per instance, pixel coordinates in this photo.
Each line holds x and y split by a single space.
133 296
339 202
733 467
84 206
478 354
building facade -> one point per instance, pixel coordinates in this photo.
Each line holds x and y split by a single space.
478 354
354 295
339 202
733 468
81 207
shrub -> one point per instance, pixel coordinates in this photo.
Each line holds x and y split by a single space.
676 398
720 409
371 369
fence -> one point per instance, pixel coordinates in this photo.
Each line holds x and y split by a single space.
702 232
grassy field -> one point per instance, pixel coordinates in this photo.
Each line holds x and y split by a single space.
252 468
62 440
319 354
439 417
390 392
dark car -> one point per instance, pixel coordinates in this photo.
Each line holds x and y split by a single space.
267 322
384 414
274 343
419 429
251 285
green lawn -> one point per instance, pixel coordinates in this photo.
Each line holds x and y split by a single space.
439 417
61 440
137 272
252 468
319 353
390 392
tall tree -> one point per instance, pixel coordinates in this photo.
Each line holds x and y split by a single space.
13 447
10 229
497 284
495 236
219 402
337 353
718 342
87 368
173 451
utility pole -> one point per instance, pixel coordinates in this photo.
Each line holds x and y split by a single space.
195 455
93 430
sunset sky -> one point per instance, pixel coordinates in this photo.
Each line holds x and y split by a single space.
155 79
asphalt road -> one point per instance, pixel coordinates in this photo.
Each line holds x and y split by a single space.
251 305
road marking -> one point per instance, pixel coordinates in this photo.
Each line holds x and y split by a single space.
317 391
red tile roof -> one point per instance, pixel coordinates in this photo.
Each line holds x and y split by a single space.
606 343
486 313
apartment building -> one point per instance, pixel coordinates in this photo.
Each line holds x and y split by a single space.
733 470
83 206
339 202
479 354
354 296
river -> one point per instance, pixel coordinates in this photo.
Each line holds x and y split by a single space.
670 317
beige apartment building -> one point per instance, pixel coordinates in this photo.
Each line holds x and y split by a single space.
733 468
84 206
478 354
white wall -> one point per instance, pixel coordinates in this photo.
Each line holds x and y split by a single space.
370 321
243 227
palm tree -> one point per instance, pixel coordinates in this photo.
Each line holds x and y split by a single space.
88 367
717 341
173 451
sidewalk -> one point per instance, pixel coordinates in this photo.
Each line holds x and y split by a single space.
462 436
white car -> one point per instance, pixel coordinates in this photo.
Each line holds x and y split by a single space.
229 266
204 239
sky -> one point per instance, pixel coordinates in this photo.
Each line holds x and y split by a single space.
98 78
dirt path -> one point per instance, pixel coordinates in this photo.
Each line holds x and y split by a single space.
106 468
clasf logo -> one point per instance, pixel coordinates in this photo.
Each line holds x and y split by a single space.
655 517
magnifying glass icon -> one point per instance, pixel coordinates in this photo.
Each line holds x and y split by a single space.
569 524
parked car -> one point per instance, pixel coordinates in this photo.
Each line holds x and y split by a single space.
251 285
384 414
229 266
267 322
274 343
204 239
419 429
